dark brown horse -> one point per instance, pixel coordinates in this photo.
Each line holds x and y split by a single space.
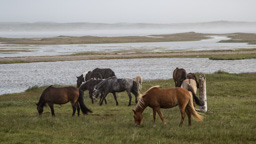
179 75
52 95
89 85
193 76
97 73
158 98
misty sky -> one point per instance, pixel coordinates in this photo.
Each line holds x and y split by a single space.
129 11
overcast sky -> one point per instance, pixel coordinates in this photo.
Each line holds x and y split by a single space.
129 11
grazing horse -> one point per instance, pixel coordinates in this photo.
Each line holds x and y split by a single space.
157 98
138 80
193 76
95 74
89 85
191 86
179 74
113 85
52 95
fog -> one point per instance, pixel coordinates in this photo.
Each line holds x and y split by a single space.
120 29
127 11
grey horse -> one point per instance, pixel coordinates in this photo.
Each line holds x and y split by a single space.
113 85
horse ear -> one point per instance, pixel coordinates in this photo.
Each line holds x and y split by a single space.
134 111
37 104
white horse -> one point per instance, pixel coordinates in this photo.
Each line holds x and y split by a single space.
191 86
138 80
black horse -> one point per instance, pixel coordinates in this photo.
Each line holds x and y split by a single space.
95 74
89 85
113 85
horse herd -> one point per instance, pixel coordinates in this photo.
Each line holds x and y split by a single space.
101 82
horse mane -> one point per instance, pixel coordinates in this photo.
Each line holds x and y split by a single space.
101 84
142 95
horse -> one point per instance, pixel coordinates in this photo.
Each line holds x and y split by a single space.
100 73
89 85
157 98
52 95
81 79
179 74
95 74
138 80
191 86
113 85
193 76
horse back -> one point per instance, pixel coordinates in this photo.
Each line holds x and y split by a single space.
185 84
166 98
61 95
105 73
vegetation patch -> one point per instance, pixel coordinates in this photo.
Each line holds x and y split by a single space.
230 118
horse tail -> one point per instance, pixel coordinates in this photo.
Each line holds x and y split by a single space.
84 109
197 100
191 109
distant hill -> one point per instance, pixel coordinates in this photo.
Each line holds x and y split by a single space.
49 26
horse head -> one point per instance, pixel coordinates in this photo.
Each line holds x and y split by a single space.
138 117
95 93
40 108
79 81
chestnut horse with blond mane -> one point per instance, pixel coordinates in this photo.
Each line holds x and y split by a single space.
157 98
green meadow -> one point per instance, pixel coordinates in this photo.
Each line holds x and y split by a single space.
230 118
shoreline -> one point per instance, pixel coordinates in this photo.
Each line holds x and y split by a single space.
100 56
194 54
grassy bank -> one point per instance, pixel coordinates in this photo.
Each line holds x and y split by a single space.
249 38
129 54
190 36
231 118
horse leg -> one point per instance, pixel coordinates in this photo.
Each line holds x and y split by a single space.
136 96
52 110
101 97
130 97
114 94
183 114
157 109
74 109
104 97
154 115
90 95
78 109
189 116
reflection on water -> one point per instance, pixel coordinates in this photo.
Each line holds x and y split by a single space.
18 77
50 50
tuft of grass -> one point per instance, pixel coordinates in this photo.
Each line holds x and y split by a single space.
231 100
233 56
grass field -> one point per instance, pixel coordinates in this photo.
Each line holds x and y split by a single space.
230 119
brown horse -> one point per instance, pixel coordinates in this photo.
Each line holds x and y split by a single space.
191 86
179 75
193 76
138 80
157 98
52 95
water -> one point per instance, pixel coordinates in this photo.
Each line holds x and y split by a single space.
19 77
51 50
